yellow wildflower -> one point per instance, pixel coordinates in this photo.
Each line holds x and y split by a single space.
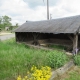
37 74
19 77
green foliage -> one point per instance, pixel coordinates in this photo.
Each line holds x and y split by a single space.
18 59
5 21
57 59
77 60
0 20
1 25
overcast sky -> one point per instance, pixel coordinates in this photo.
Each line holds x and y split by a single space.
35 10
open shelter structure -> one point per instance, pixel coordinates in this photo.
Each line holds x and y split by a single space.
63 31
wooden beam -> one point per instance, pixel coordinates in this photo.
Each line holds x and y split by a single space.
70 47
75 43
16 36
35 41
70 37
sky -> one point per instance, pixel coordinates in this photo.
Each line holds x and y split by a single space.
35 10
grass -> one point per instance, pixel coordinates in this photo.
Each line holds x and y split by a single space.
17 59
77 59
71 74
74 75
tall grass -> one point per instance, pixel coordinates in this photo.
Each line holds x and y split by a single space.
17 59
77 60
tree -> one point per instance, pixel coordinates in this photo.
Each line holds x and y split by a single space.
17 24
1 25
0 20
6 21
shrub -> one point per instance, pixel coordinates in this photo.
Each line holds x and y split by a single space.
77 60
57 59
37 74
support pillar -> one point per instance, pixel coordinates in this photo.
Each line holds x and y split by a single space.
75 43
35 41
16 37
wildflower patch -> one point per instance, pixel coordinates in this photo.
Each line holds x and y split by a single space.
37 74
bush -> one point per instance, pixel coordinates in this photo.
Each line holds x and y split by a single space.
77 60
57 59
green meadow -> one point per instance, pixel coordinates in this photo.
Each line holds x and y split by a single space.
18 58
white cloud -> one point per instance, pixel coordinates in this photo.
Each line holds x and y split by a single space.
20 11
66 8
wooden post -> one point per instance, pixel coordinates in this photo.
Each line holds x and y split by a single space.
35 41
70 37
16 36
75 42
